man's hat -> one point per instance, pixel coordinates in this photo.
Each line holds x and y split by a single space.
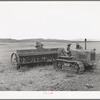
38 44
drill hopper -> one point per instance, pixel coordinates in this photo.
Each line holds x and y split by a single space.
35 57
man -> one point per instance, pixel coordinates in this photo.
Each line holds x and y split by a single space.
78 46
39 45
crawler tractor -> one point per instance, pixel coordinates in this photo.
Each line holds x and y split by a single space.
79 61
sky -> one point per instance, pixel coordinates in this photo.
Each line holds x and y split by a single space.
66 20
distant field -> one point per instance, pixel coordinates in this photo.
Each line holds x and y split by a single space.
42 78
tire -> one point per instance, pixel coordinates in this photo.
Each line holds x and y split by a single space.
15 61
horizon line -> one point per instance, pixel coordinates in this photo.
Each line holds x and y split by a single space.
80 39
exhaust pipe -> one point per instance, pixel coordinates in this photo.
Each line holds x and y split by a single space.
85 44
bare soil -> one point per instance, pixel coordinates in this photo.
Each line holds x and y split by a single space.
43 78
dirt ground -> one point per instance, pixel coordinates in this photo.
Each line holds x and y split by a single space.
44 78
